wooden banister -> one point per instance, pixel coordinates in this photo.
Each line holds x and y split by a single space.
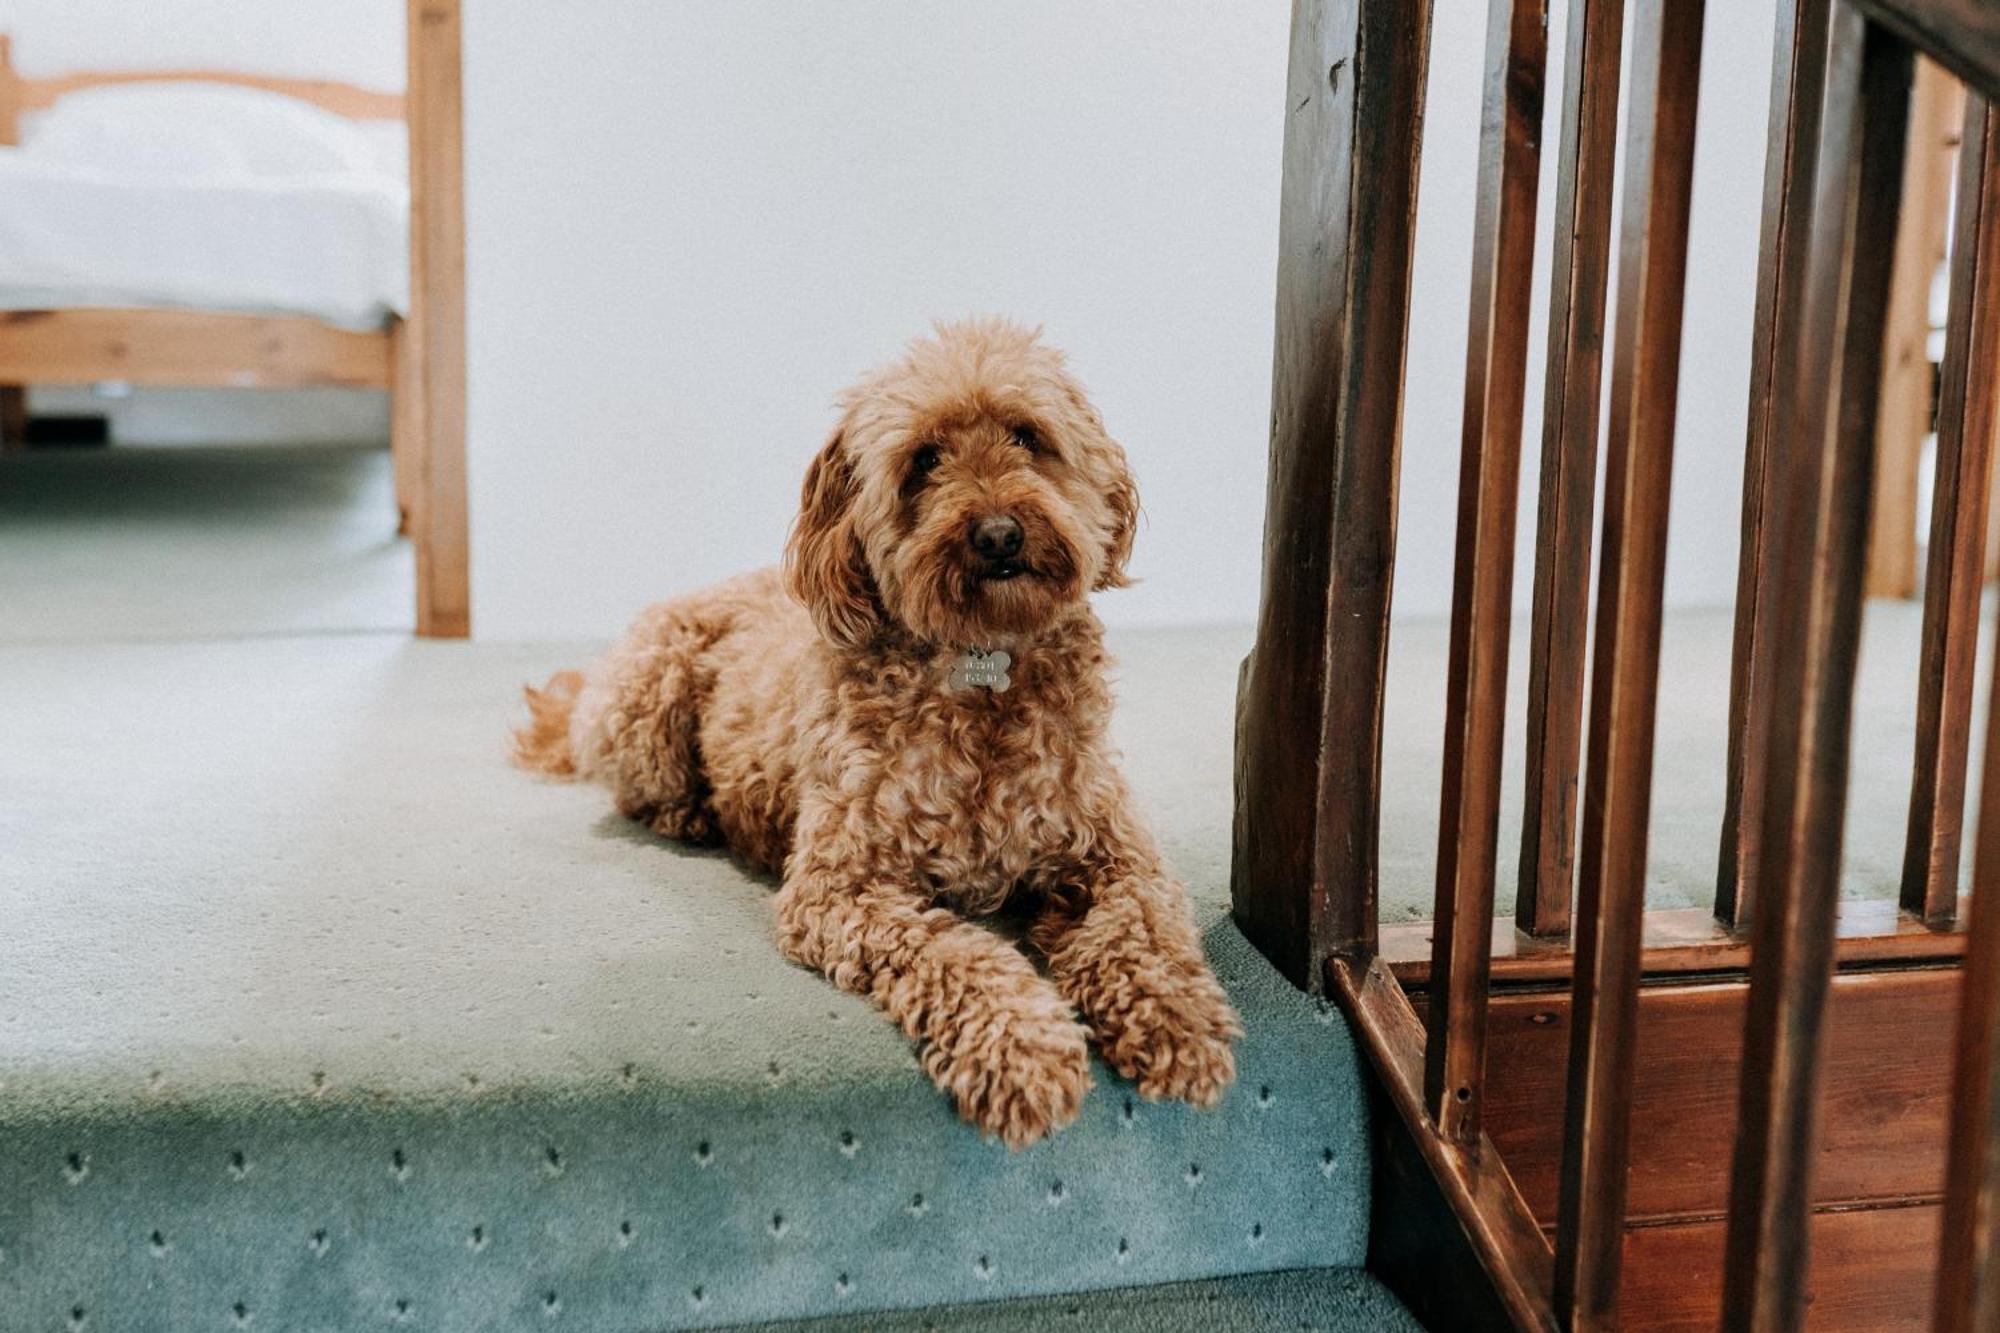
1798 95
1652 266
1475 707
1968 412
1816 518
1310 700
1559 629
1309 705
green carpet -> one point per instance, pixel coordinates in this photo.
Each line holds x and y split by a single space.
1309 1301
315 1014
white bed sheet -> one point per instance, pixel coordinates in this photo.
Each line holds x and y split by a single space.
331 246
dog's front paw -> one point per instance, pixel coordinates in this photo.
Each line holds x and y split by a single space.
1175 1043
1018 1076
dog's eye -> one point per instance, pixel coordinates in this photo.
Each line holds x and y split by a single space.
1026 437
924 460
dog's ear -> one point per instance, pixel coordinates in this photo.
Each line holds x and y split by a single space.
1122 494
824 568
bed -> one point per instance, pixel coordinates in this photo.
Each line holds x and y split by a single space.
168 228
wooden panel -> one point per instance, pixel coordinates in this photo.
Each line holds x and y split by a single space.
1817 516
437 318
1937 115
1559 629
1686 940
1882 1103
1791 151
1503 256
1968 397
1962 35
1871 1273
1309 707
186 347
1474 1178
1645 371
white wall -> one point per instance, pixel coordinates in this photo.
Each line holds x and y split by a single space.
357 41
689 224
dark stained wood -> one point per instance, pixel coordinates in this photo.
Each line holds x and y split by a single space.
1417 1247
1968 395
1968 1293
1309 703
1503 264
1559 629
1497 1224
13 418
1683 941
1666 63
1817 512
1882 1105
1798 84
1871 1272
1961 35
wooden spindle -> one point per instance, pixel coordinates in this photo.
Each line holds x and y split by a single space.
1968 396
1560 626
1496 367
1798 88
1309 701
1968 1291
1590 1228
1817 521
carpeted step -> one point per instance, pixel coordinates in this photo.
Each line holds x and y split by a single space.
1318 1300
314 1014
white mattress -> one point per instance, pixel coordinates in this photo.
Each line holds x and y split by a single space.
216 230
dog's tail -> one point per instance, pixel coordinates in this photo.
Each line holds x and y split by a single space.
542 746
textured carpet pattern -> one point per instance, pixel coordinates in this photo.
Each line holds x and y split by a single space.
199 542
1309 1301
314 1014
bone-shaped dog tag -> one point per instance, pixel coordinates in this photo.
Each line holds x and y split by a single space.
975 667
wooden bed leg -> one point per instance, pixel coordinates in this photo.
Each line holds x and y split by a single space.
405 421
13 419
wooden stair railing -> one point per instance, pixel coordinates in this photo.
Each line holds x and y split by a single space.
1310 706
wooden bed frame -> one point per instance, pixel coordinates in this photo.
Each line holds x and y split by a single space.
419 359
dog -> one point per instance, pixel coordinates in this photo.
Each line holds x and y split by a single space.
906 724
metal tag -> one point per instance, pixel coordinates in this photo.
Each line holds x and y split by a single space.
975 667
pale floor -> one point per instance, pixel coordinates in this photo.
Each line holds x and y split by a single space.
104 551
133 543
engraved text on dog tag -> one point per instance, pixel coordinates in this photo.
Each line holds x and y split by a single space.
976 667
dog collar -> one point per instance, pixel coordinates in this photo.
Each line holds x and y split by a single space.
975 668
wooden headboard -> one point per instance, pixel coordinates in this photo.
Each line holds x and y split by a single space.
18 94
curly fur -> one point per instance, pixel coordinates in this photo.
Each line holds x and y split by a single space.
802 718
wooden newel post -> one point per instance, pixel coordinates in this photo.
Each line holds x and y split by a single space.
1309 702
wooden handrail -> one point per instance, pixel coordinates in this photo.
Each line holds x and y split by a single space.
1961 35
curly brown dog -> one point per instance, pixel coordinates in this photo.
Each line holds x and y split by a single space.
842 724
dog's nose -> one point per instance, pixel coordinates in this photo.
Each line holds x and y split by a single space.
997 536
